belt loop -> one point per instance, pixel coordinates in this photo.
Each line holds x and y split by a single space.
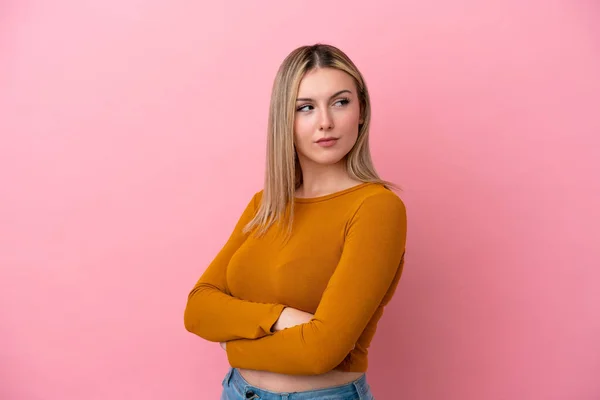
229 375
361 388
357 388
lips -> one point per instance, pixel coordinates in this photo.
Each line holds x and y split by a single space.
327 142
329 139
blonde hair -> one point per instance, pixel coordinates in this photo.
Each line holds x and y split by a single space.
283 174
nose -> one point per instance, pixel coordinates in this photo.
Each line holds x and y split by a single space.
326 122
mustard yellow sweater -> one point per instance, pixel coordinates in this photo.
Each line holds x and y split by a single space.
342 264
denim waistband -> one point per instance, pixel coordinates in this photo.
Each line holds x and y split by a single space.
358 389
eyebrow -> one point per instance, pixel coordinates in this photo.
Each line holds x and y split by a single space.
334 95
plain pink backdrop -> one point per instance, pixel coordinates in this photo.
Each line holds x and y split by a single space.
133 133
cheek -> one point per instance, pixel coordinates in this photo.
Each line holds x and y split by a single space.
302 128
350 118
349 123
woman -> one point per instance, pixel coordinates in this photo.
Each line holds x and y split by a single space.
295 294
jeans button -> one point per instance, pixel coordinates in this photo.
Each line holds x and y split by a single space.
250 395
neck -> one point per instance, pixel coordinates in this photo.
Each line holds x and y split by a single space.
320 180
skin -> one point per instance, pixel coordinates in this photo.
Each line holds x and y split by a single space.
327 107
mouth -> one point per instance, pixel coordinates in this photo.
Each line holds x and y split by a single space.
327 139
327 142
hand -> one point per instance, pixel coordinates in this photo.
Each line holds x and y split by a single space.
291 317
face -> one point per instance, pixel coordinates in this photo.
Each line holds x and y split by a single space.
327 116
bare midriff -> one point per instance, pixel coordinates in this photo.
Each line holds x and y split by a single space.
275 382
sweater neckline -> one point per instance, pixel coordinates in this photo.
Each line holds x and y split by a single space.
331 195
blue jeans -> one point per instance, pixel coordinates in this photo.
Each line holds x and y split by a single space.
235 387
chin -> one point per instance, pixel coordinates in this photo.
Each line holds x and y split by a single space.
328 159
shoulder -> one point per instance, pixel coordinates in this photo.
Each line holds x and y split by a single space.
252 204
378 197
381 206
254 201
257 198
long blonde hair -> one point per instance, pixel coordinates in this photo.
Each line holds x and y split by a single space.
283 174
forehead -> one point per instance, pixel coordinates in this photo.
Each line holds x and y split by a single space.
323 82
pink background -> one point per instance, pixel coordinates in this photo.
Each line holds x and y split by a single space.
133 133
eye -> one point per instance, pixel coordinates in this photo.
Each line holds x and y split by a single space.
304 108
342 102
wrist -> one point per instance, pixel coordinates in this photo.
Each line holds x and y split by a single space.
277 326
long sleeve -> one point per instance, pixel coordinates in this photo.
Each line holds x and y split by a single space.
212 313
364 280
